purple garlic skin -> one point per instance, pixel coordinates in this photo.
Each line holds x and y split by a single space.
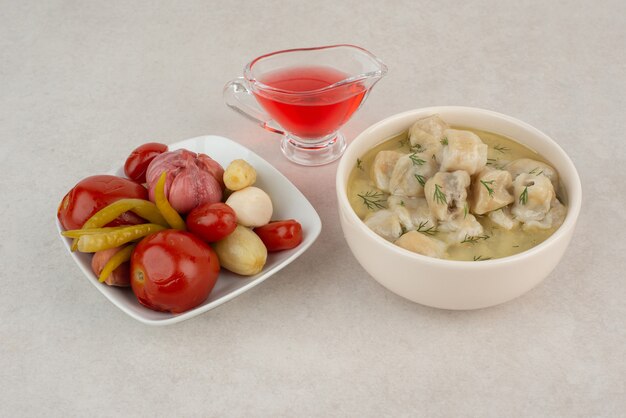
192 179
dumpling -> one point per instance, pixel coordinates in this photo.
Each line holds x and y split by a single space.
385 223
461 227
413 212
533 195
502 217
426 134
410 174
537 168
446 194
490 191
463 151
422 244
383 166
553 218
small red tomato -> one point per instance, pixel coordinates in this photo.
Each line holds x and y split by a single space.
94 193
138 161
280 235
173 271
212 221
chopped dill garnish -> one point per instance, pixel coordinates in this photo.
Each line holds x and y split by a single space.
493 162
516 246
420 179
523 198
500 148
373 200
428 231
403 142
536 171
444 140
465 210
487 184
473 239
480 258
359 164
416 160
402 203
439 196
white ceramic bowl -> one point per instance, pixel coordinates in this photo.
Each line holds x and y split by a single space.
457 284
289 203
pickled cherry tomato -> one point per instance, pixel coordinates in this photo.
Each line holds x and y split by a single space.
212 221
138 161
280 235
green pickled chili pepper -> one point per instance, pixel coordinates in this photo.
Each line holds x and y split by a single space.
77 233
168 212
92 240
141 207
117 260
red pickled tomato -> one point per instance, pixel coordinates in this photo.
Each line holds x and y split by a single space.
280 235
94 193
212 221
138 161
173 271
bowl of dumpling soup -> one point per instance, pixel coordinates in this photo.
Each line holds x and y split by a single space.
457 207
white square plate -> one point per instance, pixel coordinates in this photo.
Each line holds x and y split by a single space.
288 202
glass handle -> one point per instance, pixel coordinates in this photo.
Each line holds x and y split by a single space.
238 97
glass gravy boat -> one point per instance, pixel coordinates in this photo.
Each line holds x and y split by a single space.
306 95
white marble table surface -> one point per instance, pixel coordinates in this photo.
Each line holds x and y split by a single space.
82 83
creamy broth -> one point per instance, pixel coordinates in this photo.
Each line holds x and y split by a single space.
495 241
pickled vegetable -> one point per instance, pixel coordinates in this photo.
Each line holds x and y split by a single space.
252 206
169 213
141 207
96 239
144 208
239 175
242 252
115 261
280 235
192 179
